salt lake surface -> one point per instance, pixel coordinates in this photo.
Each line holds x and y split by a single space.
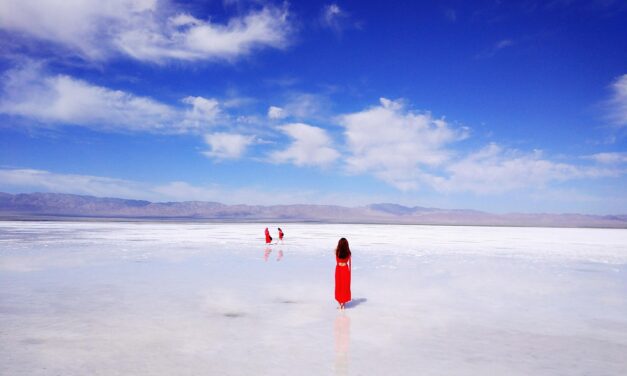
105 298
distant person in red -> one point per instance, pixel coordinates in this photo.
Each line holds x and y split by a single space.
268 237
342 273
280 234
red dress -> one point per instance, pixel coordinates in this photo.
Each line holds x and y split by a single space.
268 237
342 280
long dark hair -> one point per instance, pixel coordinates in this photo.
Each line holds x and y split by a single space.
343 251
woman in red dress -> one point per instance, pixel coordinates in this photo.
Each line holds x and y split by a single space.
268 237
342 273
281 234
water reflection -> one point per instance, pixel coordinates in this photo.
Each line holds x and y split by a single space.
268 250
341 332
266 253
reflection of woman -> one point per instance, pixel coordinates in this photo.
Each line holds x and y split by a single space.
266 253
342 273
342 339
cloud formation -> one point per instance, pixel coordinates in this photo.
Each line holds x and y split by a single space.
227 145
303 106
337 19
184 37
494 169
618 101
29 179
276 113
412 150
608 158
332 16
395 145
494 49
311 146
146 30
31 93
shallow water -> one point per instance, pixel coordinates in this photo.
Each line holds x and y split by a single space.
187 298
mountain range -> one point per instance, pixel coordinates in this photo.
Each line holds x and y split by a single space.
51 206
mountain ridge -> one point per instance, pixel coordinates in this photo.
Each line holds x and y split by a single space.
64 206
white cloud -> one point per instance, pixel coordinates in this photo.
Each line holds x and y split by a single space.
202 108
608 158
185 37
493 169
203 112
397 145
409 150
81 26
147 30
503 43
182 191
337 19
305 106
301 106
59 99
618 102
311 146
494 49
450 14
330 15
276 112
27 179
227 145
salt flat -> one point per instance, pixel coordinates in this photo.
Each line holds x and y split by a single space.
105 298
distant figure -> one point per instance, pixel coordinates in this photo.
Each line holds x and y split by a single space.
268 237
280 234
342 273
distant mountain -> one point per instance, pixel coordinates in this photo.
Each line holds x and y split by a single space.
396 209
60 206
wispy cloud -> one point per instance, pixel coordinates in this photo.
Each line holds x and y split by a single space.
617 104
337 19
450 14
301 106
32 180
495 48
494 169
611 6
311 146
146 30
608 158
332 17
29 92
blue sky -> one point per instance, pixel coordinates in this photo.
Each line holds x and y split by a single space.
489 105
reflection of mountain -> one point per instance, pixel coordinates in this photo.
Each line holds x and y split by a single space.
56 205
